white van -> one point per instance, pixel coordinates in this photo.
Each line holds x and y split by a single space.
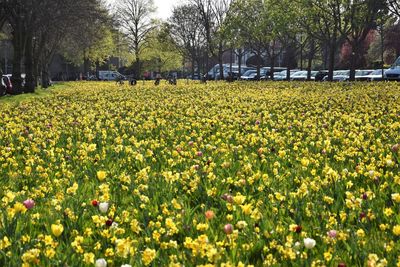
393 74
109 75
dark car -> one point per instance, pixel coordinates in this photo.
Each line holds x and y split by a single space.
6 84
3 87
320 75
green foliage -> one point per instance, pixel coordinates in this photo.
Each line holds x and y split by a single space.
162 53
95 48
257 23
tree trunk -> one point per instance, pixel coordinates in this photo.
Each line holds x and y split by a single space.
221 67
45 75
273 61
332 52
353 59
29 73
205 65
198 61
258 64
47 58
137 65
18 52
86 66
272 66
192 67
240 63
310 59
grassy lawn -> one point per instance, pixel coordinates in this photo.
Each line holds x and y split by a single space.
39 93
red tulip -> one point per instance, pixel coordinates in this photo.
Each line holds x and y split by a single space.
109 222
298 229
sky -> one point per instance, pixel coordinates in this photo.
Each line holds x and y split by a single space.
164 7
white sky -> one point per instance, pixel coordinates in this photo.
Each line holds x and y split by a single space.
164 7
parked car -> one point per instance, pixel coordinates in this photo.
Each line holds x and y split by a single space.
339 76
360 74
277 70
6 84
264 72
375 75
3 87
393 73
247 74
320 75
302 75
282 75
214 72
107 75
92 78
193 77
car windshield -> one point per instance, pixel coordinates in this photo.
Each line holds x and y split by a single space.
299 73
377 72
281 73
363 72
397 63
247 73
341 72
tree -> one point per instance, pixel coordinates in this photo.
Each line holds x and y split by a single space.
279 23
93 46
346 52
322 20
187 35
212 15
134 18
359 18
162 50
83 28
392 38
394 7
234 25
38 29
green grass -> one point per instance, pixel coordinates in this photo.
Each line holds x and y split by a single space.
39 93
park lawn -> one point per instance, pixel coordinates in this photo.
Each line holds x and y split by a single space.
224 174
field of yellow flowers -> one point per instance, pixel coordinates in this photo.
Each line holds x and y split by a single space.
273 174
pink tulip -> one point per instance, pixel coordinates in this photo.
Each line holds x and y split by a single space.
29 204
228 229
332 233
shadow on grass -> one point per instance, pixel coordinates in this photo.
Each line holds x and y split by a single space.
39 93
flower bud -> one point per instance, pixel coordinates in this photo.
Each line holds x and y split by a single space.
228 229
309 243
103 207
101 263
29 203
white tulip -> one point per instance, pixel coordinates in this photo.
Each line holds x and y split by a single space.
103 207
309 242
126 265
101 263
